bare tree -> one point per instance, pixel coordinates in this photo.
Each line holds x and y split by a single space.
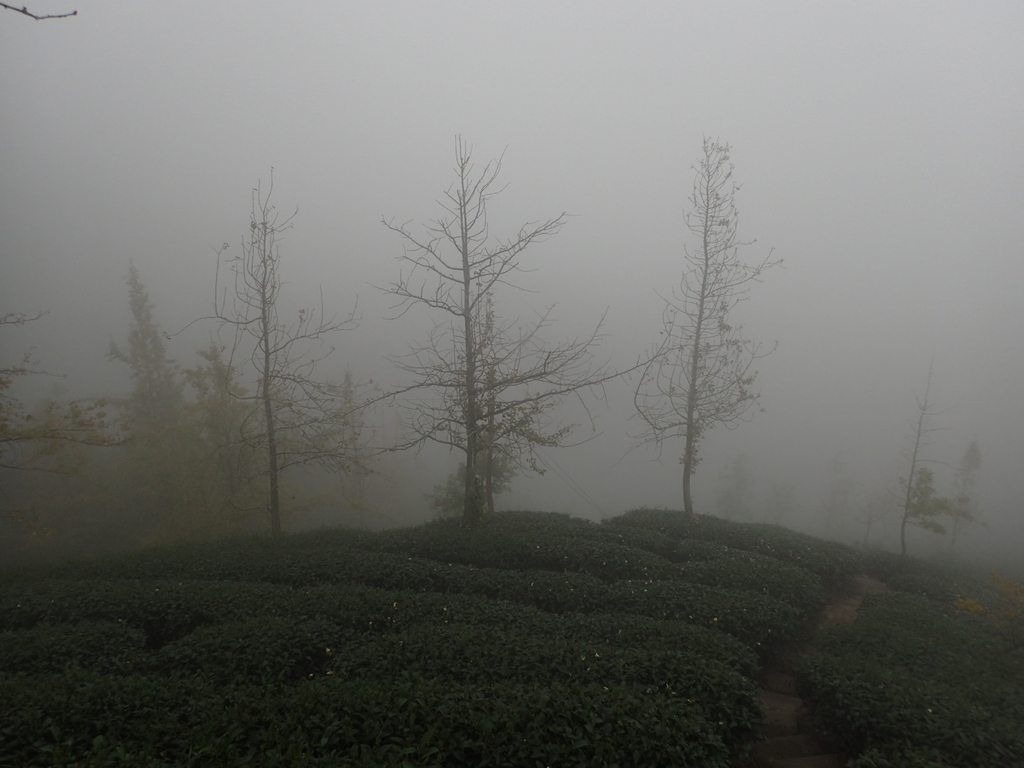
701 374
38 17
921 507
480 385
301 420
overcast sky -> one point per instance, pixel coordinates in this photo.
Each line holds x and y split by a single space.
880 146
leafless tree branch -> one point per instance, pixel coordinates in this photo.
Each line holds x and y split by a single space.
701 372
25 11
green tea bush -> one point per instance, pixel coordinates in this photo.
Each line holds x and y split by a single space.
628 631
759 622
253 651
91 720
755 573
485 655
169 611
164 610
533 640
106 646
831 561
912 676
941 585
558 545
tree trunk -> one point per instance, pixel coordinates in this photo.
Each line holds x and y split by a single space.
921 416
472 511
268 412
695 360
275 493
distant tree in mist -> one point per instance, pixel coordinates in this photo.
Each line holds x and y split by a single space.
449 499
184 471
781 502
157 399
221 414
44 439
482 386
880 508
962 507
701 373
301 419
155 462
835 503
735 489
922 506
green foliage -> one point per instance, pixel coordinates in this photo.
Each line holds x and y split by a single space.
157 396
532 639
449 499
925 506
830 561
912 682
104 646
330 722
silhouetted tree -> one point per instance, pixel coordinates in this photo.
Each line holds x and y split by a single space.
700 374
880 507
449 499
303 421
157 397
781 501
736 489
921 506
962 507
488 383
226 464
835 502
158 482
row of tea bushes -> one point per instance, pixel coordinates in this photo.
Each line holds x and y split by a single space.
914 682
289 640
442 557
830 561
522 542
277 650
168 610
86 719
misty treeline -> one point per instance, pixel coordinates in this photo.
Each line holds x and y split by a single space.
249 432
850 510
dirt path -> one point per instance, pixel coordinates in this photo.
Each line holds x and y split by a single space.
791 741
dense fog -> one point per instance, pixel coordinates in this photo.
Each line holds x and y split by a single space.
878 145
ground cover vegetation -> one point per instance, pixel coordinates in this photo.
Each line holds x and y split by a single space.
923 677
531 639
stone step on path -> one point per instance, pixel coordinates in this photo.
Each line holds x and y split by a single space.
790 738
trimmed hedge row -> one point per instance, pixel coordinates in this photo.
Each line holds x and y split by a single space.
561 544
484 655
410 721
913 677
831 561
143 611
104 646
758 574
167 611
